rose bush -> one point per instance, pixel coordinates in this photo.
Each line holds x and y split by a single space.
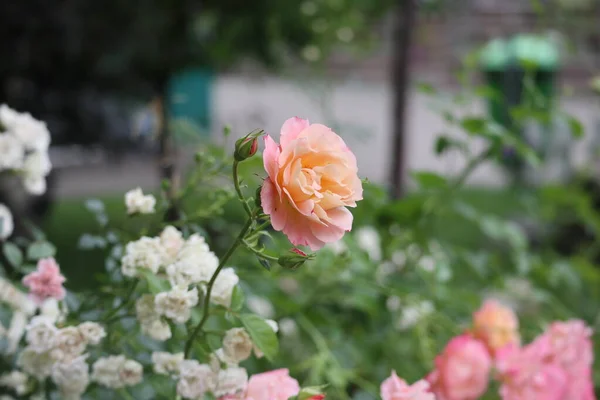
446 290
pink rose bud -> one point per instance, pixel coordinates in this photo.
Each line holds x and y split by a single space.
462 370
496 326
46 282
294 259
312 179
246 147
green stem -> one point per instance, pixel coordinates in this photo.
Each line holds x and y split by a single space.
125 302
234 245
259 254
238 190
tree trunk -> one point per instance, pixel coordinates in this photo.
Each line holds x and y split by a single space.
167 152
405 20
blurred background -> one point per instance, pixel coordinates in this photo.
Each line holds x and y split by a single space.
129 90
475 122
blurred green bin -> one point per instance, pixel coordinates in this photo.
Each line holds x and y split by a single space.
505 65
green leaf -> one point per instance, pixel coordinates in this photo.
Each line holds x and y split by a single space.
155 284
474 126
13 254
429 180
237 298
262 334
575 126
40 249
426 88
442 144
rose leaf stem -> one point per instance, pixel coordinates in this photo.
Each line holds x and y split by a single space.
238 190
209 287
259 254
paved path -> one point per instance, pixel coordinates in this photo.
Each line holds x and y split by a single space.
360 112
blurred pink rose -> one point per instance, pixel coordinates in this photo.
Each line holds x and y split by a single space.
527 374
272 385
46 282
571 348
462 370
496 325
395 388
313 177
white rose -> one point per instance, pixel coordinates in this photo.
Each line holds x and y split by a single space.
137 202
223 287
6 222
131 372
16 381
217 358
195 263
150 321
230 381
15 298
41 334
35 185
92 332
105 371
35 168
68 343
50 309
33 134
288 327
157 329
176 304
237 345
116 372
146 253
166 363
195 379
368 239
71 377
260 306
12 152
18 324
36 364
172 241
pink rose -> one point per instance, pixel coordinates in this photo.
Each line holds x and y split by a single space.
46 282
526 373
272 385
570 347
496 325
462 370
394 388
312 179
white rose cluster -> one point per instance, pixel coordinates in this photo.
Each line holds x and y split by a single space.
116 372
59 353
17 381
184 263
24 143
139 203
196 380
